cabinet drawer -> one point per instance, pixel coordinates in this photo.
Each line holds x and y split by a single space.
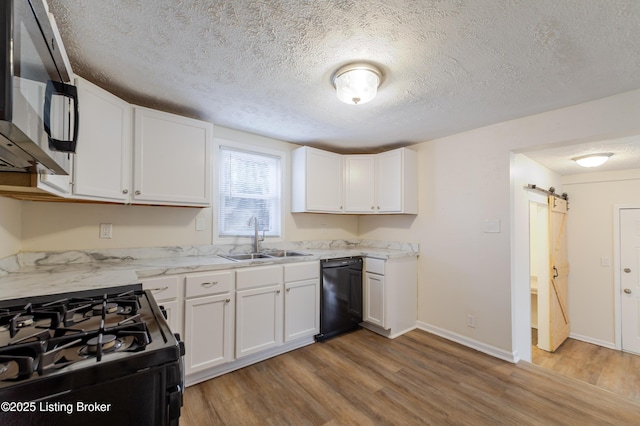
375 266
162 288
258 277
301 271
210 283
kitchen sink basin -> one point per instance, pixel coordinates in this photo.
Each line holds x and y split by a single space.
263 255
285 253
245 256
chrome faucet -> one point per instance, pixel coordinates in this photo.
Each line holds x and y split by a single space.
256 239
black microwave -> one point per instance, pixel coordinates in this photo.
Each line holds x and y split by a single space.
38 105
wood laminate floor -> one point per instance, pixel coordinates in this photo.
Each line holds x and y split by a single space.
361 378
613 370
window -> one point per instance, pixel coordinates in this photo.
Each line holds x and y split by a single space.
249 186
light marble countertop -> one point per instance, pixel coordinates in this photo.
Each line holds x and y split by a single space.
33 274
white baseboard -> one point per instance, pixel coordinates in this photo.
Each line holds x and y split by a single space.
386 333
470 343
593 341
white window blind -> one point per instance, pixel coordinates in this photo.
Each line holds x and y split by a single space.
249 186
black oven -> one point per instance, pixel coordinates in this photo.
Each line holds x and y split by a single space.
90 358
38 105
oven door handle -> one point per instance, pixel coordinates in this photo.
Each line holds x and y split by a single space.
175 395
182 353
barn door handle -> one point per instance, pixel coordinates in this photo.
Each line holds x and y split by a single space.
555 272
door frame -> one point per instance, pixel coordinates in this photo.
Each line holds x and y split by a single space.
617 262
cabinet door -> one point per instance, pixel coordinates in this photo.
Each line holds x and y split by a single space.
258 319
172 159
165 291
56 184
102 164
173 315
208 332
301 309
359 183
389 191
374 300
323 181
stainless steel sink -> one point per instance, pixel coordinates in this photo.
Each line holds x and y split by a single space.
263 255
285 253
245 256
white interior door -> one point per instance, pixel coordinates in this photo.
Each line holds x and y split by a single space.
630 279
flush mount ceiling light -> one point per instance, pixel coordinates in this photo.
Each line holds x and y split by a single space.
593 160
357 83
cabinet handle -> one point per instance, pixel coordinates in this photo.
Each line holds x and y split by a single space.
372 207
138 192
211 284
227 300
277 291
288 290
159 289
125 191
378 207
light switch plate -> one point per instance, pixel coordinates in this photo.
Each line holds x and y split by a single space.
491 226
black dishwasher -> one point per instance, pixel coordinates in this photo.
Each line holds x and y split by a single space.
341 296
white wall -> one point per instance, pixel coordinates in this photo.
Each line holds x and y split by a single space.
68 226
592 198
10 226
466 179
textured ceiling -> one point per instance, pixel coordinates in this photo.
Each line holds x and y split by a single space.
264 66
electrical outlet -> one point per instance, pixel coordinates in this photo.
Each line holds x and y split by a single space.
106 231
471 321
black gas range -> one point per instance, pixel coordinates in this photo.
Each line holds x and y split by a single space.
95 357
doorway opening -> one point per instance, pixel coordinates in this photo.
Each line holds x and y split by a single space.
539 267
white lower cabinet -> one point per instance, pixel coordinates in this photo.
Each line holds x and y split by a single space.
390 295
237 317
258 309
374 299
301 300
209 320
166 292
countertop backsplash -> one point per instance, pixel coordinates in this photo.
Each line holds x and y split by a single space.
35 273
27 259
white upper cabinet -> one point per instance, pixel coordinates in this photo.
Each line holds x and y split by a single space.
137 155
382 183
397 182
359 184
171 160
102 164
316 181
